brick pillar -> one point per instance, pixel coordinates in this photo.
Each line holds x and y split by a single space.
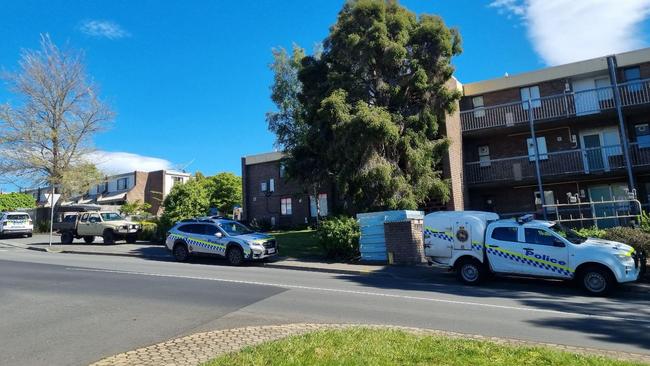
404 240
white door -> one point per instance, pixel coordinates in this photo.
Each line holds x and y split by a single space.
597 146
545 253
503 249
585 96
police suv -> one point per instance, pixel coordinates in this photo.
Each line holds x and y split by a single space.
475 243
16 223
221 237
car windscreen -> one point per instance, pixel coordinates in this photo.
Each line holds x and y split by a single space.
17 217
568 233
111 216
234 228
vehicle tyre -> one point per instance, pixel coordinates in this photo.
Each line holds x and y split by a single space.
109 237
30 235
180 252
66 237
597 280
131 239
234 255
89 239
470 271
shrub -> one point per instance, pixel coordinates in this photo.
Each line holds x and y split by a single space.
14 201
339 237
149 231
592 232
42 227
637 238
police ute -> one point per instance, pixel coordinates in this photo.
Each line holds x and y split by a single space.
475 244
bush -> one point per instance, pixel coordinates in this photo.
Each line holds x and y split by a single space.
42 227
637 238
592 232
339 237
149 231
14 201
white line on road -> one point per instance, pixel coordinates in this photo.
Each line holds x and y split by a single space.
366 293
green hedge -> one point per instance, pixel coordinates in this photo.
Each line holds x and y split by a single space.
339 237
14 201
636 237
149 231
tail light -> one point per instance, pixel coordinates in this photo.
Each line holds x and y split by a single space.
31 222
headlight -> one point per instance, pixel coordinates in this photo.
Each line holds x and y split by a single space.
624 257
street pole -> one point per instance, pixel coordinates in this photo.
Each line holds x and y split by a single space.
611 64
51 213
531 119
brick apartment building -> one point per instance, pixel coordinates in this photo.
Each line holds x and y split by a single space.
576 111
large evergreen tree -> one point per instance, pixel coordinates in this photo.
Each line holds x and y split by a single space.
372 105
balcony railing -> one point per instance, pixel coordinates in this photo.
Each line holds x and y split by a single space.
558 106
580 161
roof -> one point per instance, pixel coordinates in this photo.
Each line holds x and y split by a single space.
263 158
593 65
112 197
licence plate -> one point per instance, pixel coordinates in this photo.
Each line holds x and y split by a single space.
270 250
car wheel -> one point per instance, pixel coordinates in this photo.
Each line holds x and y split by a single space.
67 237
131 239
235 256
470 271
597 281
29 235
181 254
89 239
109 237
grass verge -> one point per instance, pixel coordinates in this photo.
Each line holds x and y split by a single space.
360 346
298 244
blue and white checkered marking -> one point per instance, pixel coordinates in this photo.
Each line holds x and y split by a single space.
431 233
219 248
531 262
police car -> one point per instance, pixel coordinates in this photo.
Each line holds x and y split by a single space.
475 243
16 223
221 237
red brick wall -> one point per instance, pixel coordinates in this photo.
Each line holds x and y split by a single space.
404 240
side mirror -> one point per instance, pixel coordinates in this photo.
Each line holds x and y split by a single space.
218 234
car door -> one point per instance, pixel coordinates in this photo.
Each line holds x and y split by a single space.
216 239
545 252
94 225
83 225
503 249
195 237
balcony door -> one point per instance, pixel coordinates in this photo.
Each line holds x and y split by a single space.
598 146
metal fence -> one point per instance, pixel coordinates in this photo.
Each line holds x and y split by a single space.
604 213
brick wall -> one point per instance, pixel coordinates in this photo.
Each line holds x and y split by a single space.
153 191
453 160
404 240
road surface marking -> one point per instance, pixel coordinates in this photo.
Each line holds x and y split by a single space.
366 293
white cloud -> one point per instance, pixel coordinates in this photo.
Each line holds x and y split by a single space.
114 162
563 31
103 29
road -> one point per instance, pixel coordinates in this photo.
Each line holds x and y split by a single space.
68 309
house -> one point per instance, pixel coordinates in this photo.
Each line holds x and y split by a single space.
115 190
578 130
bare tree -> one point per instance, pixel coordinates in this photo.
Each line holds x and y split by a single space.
48 133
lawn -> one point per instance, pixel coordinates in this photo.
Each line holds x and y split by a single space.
390 347
298 244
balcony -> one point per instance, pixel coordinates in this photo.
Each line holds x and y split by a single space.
567 105
555 164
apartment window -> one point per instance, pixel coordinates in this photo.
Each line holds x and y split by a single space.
541 148
283 170
532 93
176 180
101 188
271 185
263 187
484 155
632 75
285 206
477 102
322 200
122 183
642 132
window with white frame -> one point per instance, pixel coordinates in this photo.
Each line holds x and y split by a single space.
122 183
283 170
271 185
285 206
263 186
176 180
477 102
541 148
322 201
530 93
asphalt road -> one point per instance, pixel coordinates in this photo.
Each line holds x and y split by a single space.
68 309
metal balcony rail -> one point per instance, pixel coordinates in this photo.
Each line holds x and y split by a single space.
578 161
557 106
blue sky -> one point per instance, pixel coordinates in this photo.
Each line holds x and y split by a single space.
190 81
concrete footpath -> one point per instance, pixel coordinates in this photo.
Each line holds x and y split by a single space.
199 348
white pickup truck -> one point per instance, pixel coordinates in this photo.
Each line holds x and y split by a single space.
476 243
